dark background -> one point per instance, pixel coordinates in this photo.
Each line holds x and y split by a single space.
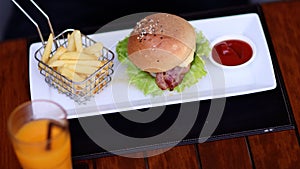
92 14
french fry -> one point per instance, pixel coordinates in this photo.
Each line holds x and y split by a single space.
47 51
71 42
95 49
78 40
61 50
71 74
88 70
77 56
93 63
59 63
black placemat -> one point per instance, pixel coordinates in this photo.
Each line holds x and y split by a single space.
267 111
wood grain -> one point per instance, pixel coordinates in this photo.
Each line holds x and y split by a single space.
225 154
83 164
119 162
283 20
14 90
276 150
183 157
281 149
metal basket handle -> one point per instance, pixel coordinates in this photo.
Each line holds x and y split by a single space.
37 26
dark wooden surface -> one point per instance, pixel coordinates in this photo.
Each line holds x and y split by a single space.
266 151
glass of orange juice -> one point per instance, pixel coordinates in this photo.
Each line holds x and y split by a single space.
40 135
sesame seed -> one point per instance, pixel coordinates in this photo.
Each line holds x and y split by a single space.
147 26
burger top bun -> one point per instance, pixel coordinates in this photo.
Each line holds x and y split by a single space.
160 42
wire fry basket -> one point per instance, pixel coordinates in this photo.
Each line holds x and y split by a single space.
79 91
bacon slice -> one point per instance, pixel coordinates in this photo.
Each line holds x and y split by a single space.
171 78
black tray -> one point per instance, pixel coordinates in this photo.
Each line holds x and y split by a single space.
257 113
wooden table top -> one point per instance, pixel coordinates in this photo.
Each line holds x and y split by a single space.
270 150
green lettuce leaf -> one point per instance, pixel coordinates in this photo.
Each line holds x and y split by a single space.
121 50
146 83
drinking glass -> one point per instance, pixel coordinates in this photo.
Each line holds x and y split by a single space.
40 135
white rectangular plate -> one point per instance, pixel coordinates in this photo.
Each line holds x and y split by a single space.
119 95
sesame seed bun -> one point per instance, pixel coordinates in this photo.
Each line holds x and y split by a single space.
160 42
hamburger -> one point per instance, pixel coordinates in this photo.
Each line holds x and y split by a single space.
163 48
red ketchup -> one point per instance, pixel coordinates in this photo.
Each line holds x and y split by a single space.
232 52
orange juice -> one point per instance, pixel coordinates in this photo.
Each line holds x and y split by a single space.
36 151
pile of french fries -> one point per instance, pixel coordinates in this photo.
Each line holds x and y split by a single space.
76 62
